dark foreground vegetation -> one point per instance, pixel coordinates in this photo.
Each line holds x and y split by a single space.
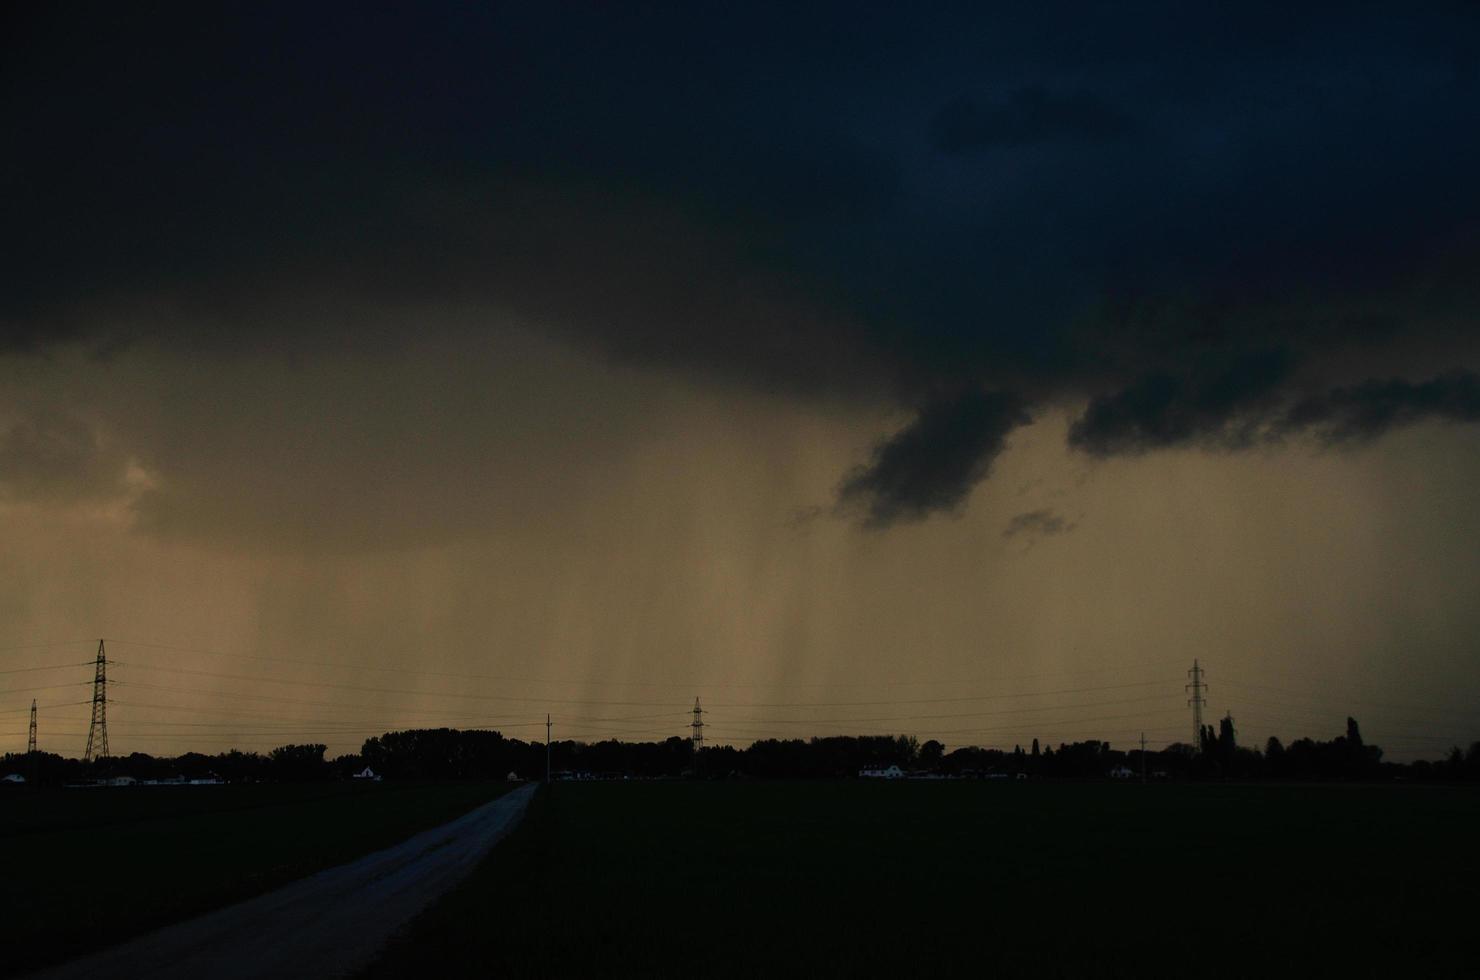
443 753
966 878
1237 858
1317 857
84 868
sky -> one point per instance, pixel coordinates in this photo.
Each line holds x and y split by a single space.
963 373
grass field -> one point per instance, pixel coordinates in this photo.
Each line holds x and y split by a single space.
87 867
911 879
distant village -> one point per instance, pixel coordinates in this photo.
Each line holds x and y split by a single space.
482 754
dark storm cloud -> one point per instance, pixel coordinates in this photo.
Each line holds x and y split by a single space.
1366 411
1037 523
931 465
1028 115
1220 406
1245 406
762 197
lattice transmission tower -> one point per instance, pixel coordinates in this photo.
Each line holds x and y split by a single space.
97 732
698 727
1196 688
31 739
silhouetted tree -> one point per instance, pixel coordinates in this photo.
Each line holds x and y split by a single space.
297 763
345 766
1274 757
454 754
42 768
974 761
241 767
1355 758
1227 737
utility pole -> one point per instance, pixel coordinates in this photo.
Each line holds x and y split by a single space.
547 748
97 732
1143 757
1197 687
31 756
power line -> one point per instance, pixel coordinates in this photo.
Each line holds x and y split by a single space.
1304 718
332 704
392 690
956 714
61 704
955 700
465 719
23 670
762 722
1376 732
47 646
1347 702
293 682
373 710
504 678
44 687
281 726
1016 729
232 736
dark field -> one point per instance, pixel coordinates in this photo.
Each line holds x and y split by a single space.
915 879
87 867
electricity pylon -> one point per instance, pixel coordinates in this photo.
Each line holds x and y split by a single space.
1197 687
97 732
31 740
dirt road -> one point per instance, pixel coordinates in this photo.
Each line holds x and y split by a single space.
330 924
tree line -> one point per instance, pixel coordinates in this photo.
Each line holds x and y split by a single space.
447 753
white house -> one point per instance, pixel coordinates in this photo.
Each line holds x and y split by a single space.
367 773
14 777
1122 772
892 772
